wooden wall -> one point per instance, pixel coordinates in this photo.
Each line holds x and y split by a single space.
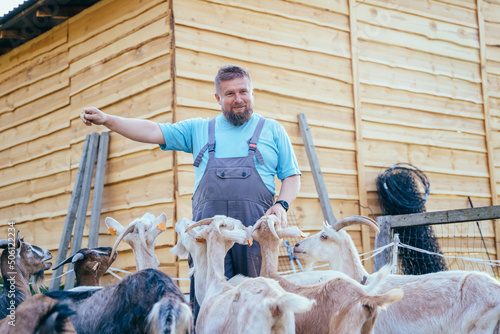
379 81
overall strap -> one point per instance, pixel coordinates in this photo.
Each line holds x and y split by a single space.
252 142
210 145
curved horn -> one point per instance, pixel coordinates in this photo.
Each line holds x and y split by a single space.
129 229
270 223
68 260
356 220
202 222
77 257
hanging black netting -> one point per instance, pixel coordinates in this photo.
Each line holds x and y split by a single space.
400 191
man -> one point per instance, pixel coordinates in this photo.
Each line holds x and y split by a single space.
236 155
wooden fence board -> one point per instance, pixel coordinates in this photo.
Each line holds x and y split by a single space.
35 109
395 56
470 4
125 84
491 11
50 123
103 16
263 53
413 42
383 154
418 82
293 10
424 102
35 149
262 27
47 207
431 29
106 68
419 119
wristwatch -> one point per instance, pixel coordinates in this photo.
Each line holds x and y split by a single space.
284 204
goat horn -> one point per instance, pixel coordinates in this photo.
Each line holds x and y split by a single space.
270 223
68 260
356 220
77 257
129 229
205 221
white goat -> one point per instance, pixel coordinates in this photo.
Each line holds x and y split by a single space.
342 305
19 262
90 264
450 301
257 305
141 235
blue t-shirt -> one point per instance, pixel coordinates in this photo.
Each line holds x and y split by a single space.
231 141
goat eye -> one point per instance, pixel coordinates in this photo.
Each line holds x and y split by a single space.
324 237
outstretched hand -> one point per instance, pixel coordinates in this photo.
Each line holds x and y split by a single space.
92 115
280 212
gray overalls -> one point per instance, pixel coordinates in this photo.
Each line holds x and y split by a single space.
234 188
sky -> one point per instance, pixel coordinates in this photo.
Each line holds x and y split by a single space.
7 5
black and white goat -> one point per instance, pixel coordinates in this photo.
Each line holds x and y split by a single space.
19 262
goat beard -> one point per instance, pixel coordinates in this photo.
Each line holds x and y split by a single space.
237 119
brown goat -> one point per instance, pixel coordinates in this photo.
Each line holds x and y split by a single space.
90 264
342 305
19 262
39 314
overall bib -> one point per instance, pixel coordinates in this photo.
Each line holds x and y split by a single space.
232 187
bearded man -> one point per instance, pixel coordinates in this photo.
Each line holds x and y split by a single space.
236 154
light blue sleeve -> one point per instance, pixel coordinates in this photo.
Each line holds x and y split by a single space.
287 161
180 136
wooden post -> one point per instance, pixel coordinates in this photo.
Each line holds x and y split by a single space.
83 205
394 269
70 218
326 207
95 217
382 239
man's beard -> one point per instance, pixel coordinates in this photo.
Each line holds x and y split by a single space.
237 119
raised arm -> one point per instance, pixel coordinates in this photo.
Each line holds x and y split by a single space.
289 189
140 130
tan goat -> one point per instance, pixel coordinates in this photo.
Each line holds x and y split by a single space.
462 302
342 305
257 305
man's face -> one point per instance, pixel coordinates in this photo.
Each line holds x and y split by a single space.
235 97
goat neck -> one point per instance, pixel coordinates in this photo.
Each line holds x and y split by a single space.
17 279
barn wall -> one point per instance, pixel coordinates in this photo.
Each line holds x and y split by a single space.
379 81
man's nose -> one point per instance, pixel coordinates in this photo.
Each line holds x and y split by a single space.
238 98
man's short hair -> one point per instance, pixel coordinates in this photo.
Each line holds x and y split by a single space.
229 72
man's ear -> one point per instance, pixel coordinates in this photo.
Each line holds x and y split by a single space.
217 97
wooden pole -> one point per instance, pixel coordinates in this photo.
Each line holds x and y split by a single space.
83 205
326 206
70 218
95 217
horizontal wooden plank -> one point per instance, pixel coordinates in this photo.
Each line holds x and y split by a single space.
330 160
443 184
262 27
35 149
29 191
447 232
493 53
471 4
323 137
47 207
405 99
339 6
35 109
494 86
383 154
104 16
105 68
395 56
493 67
491 11
138 165
30 72
51 163
433 10
419 119
435 138
125 85
26 132
414 42
418 82
430 28
263 53
154 104
306 12
35 48
149 190
491 33
338 186
442 217
200 66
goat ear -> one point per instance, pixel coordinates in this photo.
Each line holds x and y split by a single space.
114 226
18 241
